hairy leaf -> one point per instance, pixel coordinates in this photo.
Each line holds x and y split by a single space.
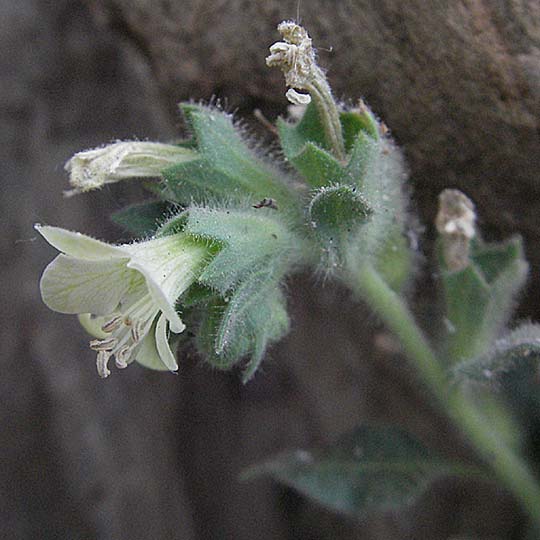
250 239
371 469
143 219
244 323
479 298
227 170
519 351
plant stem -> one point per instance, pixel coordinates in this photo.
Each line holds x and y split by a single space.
320 92
508 466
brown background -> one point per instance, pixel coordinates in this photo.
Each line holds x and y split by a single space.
146 455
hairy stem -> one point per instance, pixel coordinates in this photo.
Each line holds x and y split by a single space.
321 94
509 467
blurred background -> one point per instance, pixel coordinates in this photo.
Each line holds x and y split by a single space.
147 455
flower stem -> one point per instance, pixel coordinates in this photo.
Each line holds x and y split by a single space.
508 467
319 89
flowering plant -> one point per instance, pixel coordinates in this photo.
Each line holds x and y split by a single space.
227 226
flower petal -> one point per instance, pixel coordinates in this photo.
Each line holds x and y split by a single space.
93 324
162 344
147 354
79 245
159 297
71 285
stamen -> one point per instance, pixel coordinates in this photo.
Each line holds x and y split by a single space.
112 325
101 364
136 331
103 344
122 357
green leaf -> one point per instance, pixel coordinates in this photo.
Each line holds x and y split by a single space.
228 169
336 210
244 323
515 354
294 137
503 384
199 181
255 249
317 166
336 213
371 469
394 260
143 219
376 168
354 122
467 299
250 239
196 295
479 299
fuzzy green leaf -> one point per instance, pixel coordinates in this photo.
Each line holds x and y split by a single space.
354 122
372 469
244 323
255 249
394 260
519 351
294 137
503 384
199 181
250 239
228 169
143 219
317 166
479 298
336 213
336 210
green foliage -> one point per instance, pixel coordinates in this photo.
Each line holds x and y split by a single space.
336 213
372 223
357 121
143 219
371 469
479 298
227 170
394 260
293 137
254 250
515 355
503 384
250 238
244 323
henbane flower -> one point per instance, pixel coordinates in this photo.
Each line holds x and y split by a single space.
91 169
124 294
296 57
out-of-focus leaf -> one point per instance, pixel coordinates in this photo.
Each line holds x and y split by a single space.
143 219
372 469
479 298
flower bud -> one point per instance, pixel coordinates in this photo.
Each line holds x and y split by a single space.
456 224
92 169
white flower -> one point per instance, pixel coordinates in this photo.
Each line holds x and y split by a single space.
125 295
92 169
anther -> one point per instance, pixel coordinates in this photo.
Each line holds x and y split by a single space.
112 325
101 364
136 332
122 356
103 344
